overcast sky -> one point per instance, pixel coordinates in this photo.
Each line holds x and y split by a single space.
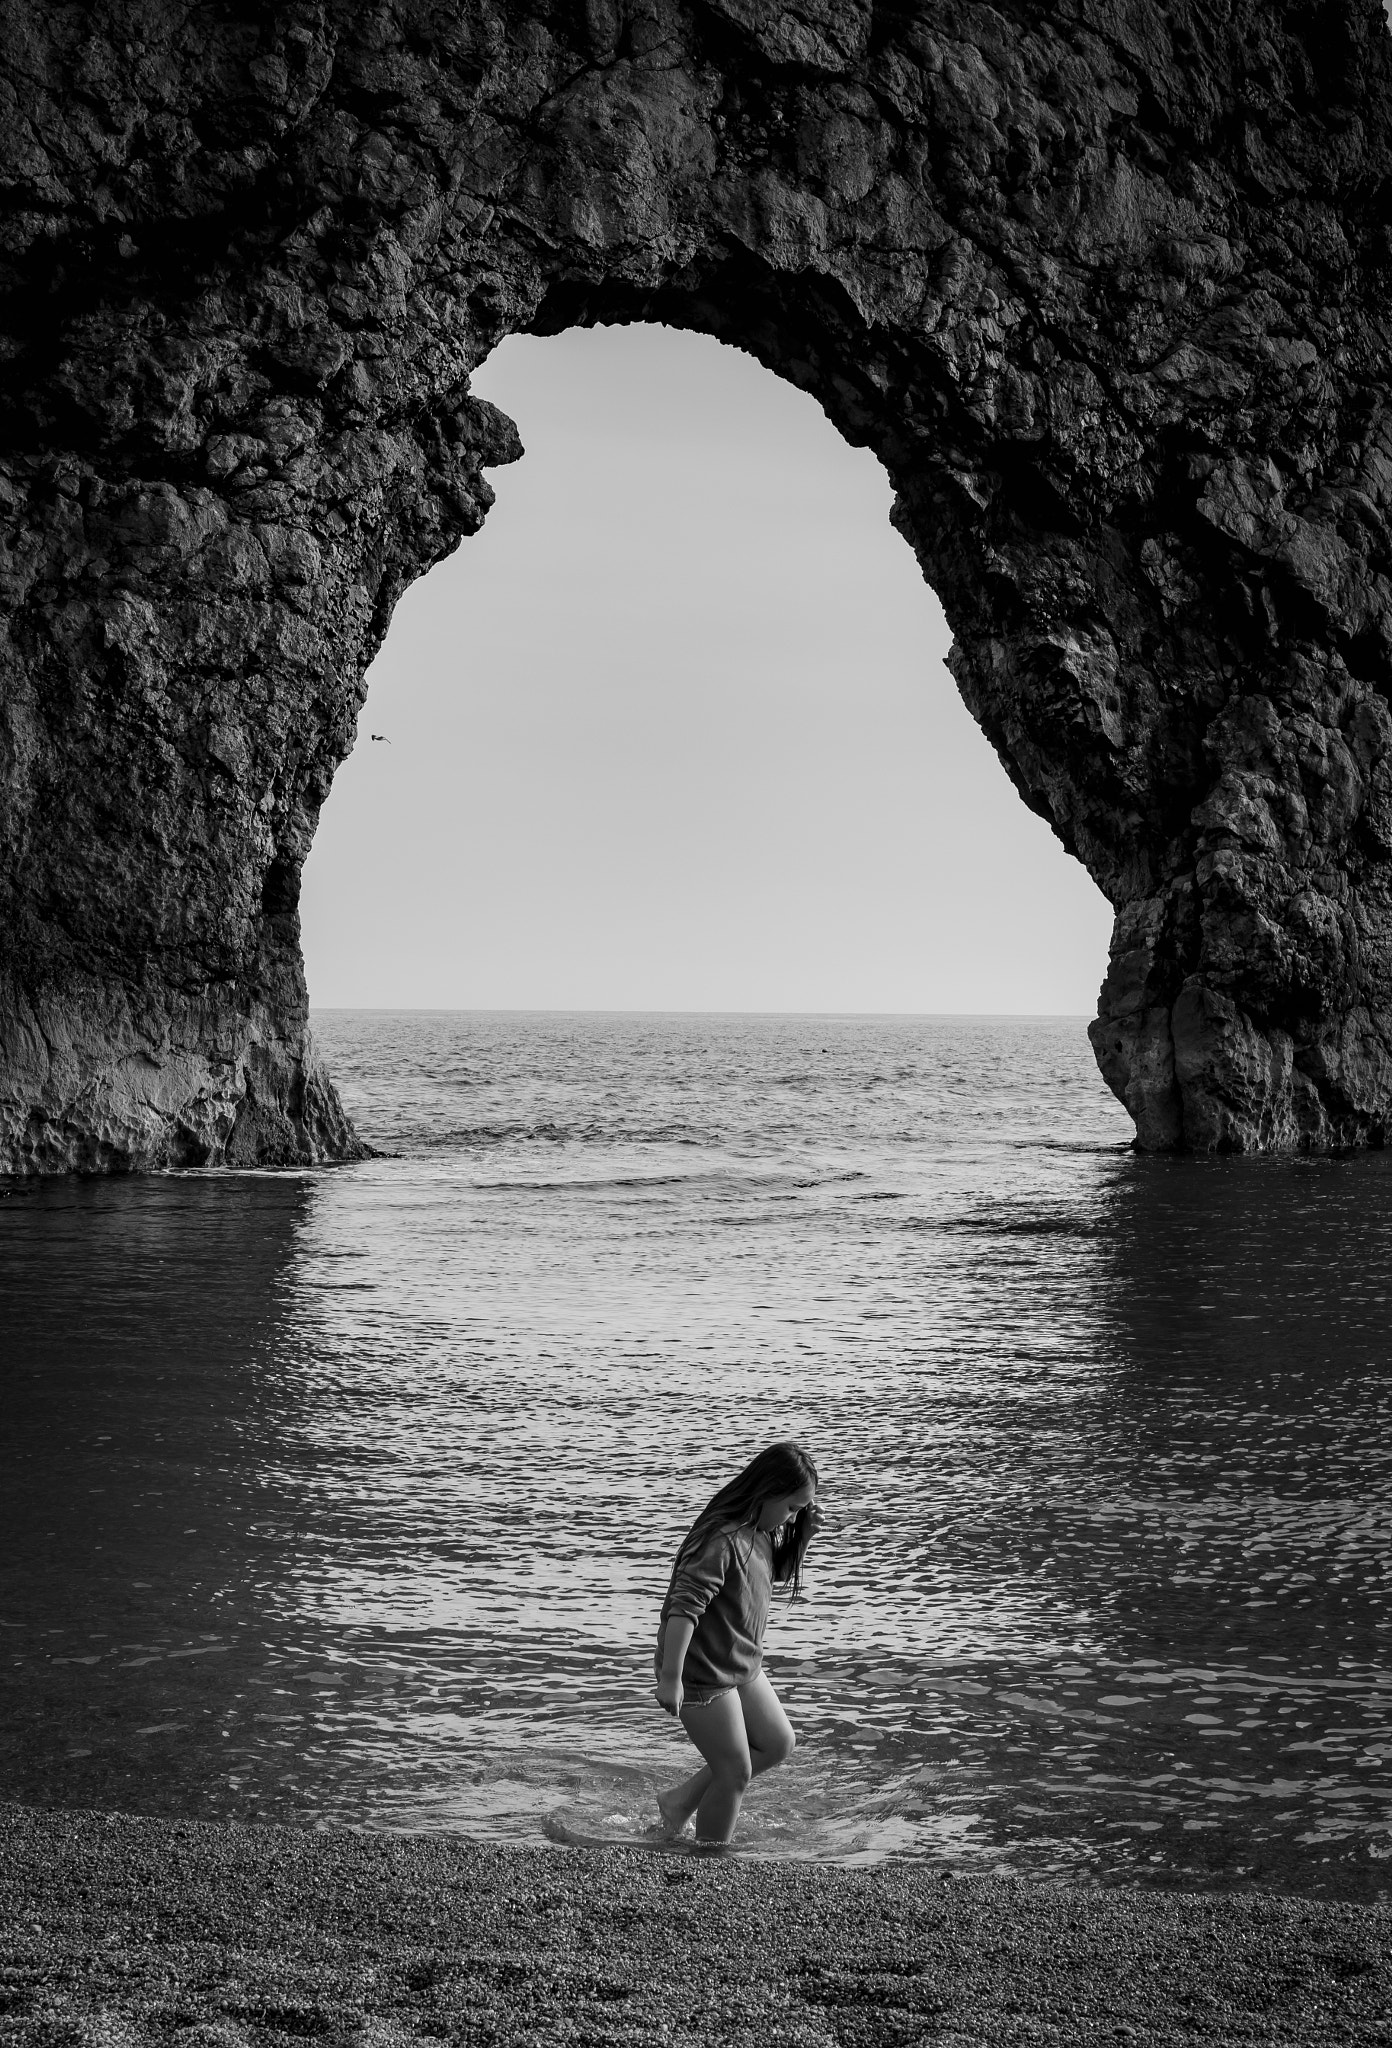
674 732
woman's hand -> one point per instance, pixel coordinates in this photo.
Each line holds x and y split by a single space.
669 1694
816 1515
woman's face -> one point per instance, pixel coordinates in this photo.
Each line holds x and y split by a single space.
783 1507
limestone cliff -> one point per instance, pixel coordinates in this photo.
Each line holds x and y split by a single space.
1103 283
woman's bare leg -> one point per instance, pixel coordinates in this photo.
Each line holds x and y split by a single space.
679 1802
768 1735
718 1733
767 1728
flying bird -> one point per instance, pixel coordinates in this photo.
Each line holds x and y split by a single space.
379 736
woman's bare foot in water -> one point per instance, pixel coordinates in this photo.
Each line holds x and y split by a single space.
675 1814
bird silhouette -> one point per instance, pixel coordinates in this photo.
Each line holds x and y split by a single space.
379 736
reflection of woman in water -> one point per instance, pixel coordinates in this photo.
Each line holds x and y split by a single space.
748 1538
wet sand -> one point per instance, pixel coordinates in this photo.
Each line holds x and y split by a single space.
116 1931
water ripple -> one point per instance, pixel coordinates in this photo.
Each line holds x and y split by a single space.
350 1497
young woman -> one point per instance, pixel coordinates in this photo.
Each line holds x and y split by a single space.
748 1538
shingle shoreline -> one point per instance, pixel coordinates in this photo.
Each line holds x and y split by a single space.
116 1931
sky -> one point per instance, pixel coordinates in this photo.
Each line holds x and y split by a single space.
673 732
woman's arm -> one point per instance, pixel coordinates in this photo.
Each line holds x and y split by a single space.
695 1582
675 1642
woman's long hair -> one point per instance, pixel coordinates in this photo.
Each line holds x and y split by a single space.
782 1468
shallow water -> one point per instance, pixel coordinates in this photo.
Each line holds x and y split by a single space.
350 1497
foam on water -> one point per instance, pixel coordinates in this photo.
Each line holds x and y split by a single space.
350 1497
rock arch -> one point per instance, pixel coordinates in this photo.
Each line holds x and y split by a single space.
1103 283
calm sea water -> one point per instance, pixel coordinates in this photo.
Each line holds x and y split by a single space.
350 1497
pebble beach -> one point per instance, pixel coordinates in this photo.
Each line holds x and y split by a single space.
117 1930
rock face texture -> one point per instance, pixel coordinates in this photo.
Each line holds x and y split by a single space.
1105 284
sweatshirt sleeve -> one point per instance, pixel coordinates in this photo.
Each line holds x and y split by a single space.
699 1577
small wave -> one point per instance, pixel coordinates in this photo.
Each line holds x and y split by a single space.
1088 1147
589 1183
1019 1226
727 1177
485 1137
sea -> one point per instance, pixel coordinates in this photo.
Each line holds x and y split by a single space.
347 1498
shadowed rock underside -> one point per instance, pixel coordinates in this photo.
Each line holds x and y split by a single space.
1103 283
